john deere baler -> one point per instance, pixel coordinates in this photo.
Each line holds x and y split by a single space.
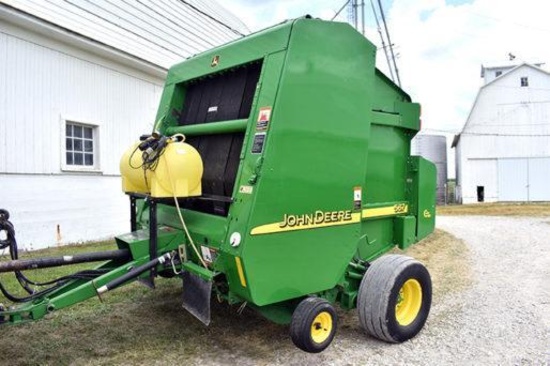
278 175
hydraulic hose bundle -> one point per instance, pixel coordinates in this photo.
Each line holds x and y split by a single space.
10 242
152 147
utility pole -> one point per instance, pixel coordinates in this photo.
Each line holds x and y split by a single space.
389 42
363 17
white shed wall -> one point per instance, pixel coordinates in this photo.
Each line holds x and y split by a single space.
40 86
42 82
49 210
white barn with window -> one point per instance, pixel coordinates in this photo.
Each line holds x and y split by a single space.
79 82
503 151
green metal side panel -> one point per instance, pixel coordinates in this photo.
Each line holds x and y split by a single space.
385 181
426 188
405 231
321 101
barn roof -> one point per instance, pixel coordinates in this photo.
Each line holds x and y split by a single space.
161 32
456 138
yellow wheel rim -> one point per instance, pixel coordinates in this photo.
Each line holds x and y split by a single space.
321 327
409 301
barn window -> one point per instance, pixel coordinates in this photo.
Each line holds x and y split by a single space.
80 146
524 81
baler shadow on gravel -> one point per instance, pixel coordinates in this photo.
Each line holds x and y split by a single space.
278 175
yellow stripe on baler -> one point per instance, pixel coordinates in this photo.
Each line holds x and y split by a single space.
396 209
341 218
240 271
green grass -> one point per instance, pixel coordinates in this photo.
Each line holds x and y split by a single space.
497 209
135 325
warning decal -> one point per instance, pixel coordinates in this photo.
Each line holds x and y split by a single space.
263 118
357 198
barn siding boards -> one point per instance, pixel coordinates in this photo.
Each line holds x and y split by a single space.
161 32
43 87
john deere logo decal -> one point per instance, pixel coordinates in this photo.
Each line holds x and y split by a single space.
320 219
215 61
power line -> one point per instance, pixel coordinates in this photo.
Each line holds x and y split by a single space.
504 135
453 132
382 38
510 124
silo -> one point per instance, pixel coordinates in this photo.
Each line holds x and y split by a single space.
434 148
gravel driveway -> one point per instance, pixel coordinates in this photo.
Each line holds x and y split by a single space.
503 319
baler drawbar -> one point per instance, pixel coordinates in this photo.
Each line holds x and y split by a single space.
278 175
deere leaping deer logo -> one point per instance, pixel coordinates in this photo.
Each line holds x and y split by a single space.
427 214
215 61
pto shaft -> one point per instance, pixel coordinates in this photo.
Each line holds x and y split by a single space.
135 272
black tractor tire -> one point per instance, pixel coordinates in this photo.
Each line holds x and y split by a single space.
313 324
394 298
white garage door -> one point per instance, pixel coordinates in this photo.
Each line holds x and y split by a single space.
524 179
539 179
512 180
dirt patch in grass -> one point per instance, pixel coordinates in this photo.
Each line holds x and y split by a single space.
448 260
135 325
497 209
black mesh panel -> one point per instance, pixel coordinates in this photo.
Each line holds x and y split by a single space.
222 97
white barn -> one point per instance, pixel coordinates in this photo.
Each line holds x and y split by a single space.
79 82
503 151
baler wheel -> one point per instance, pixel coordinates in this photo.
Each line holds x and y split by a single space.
394 298
313 324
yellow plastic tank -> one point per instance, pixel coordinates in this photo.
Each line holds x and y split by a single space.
178 172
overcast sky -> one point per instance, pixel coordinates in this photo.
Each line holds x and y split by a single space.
440 44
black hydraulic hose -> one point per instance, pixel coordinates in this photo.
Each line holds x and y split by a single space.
20 264
134 272
82 275
32 296
58 282
7 227
17 265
